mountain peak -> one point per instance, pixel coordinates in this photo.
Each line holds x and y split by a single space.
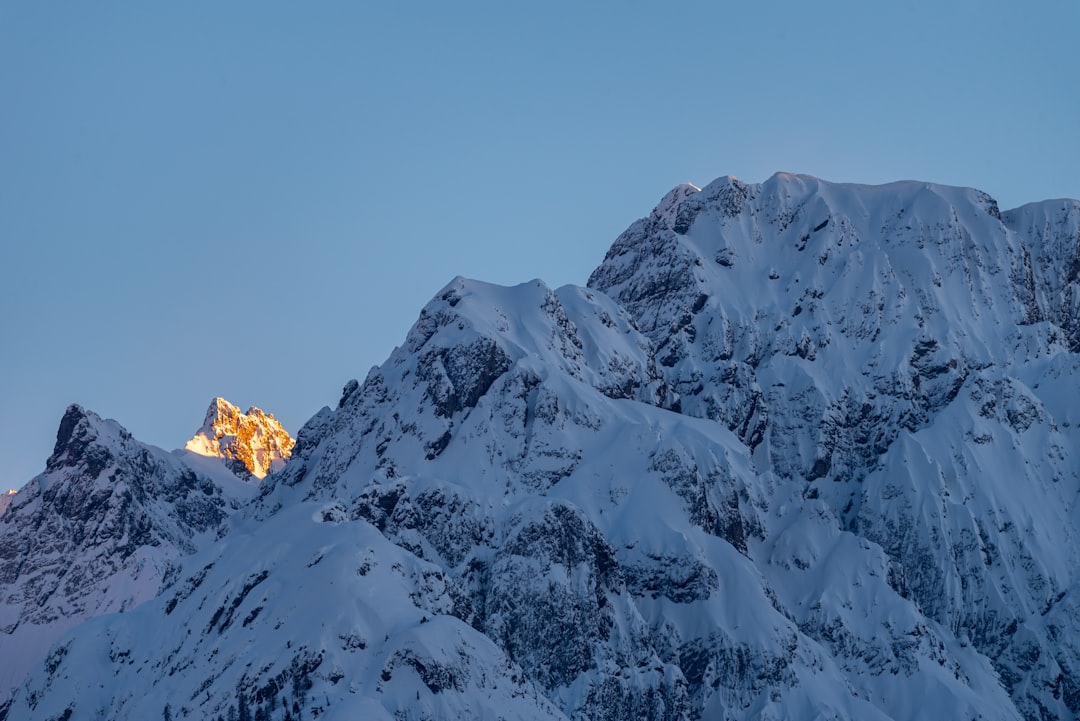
254 438
668 206
79 432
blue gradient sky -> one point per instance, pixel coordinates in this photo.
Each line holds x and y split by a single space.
254 200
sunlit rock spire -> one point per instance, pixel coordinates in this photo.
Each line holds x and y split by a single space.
255 438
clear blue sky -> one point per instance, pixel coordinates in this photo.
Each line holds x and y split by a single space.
255 199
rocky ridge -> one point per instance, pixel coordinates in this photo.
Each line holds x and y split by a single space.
254 441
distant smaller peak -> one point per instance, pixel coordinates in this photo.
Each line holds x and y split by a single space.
254 438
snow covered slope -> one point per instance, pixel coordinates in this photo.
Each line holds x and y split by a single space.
801 450
101 530
907 353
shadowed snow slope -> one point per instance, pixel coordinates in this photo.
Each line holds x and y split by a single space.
801 450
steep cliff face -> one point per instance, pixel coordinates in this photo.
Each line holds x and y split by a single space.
255 440
100 531
801 450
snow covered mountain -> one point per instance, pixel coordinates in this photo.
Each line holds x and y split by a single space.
800 450
255 440
101 530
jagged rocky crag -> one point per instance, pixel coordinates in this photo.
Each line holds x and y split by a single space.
800 450
254 441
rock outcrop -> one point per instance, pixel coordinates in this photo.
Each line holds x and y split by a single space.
255 440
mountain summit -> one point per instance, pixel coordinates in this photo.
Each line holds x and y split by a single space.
799 450
256 439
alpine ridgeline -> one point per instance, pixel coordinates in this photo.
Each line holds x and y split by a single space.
800 450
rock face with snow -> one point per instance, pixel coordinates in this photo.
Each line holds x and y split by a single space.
255 440
800 450
100 531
